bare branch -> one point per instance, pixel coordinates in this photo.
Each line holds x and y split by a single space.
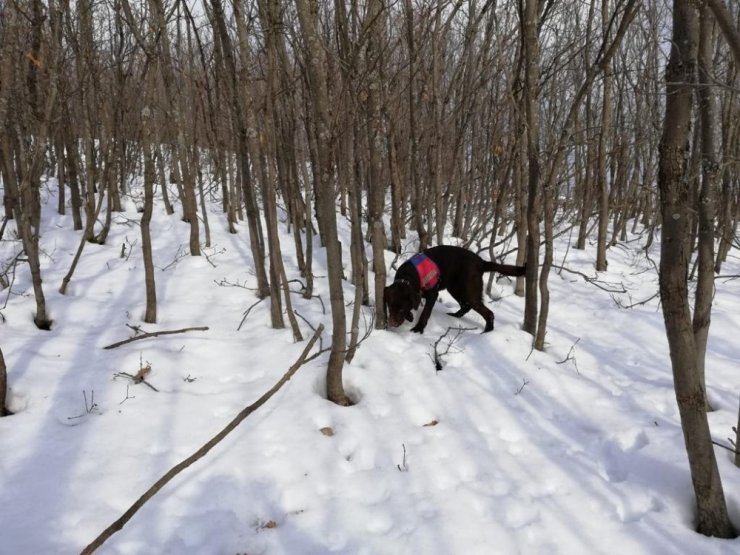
200 453
154 334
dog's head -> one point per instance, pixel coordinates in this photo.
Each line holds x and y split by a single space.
400 299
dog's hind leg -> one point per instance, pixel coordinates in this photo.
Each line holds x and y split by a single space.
484 311
459 293
464 309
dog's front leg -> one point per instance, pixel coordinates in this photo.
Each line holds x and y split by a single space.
430 297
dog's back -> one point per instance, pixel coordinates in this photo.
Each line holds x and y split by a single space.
456 264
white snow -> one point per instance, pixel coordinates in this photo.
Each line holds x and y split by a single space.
577 449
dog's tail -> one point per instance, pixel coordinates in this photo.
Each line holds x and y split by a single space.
505 269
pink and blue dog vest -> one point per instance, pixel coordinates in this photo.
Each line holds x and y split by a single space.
427 270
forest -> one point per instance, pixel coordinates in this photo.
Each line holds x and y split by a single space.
233 183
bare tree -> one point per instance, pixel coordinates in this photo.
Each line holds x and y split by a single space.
29 142
604 135
712 516
176 126
325 139
529 21
150 316
709 180
375 142
239 96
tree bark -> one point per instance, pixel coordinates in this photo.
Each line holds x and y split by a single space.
706 211
606 132
529 25
150 316
375 139
4 411
175 113
325 140
712 516
239 94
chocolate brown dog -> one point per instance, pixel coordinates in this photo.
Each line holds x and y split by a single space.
456 269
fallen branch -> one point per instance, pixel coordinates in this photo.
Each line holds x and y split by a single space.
246 314
638 303
525 383
135 379
571 356
200 453
154 334
437 355
594 280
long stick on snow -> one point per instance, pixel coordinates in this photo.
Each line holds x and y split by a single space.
175 470
153 334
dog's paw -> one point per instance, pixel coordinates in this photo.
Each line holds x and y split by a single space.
418 329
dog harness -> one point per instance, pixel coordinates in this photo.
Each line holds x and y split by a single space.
428 271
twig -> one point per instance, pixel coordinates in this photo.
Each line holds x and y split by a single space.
531 350
154 334
639 303
403 467
10 283
570 356
200 453
301 292
127 396
131 246
88 408
226 283
135 379
137 329
246 314
593 280
730 449
437 357
567 250
181 253
215 253
321 339
305 320
521 387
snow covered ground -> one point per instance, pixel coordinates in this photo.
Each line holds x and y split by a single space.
574 450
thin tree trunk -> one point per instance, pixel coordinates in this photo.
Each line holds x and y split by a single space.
83 240
175 111
529 25
606 132
159 155
375 138
415 186
238 89
4 411
150 316
706 211
29 208
712 516
316 70
586 194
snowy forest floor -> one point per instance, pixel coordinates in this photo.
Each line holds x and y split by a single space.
577 449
